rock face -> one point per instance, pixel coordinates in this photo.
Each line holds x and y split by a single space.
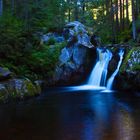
52 36
129 75
77 30
18 89
72 61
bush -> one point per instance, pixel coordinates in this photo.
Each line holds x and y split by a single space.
11 38
51 41
43 61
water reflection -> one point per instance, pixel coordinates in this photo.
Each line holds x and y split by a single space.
102 107
82 115
125 125
110 120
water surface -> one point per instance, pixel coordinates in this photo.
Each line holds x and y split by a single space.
72 115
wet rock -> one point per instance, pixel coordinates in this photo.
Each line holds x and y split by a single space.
95 40
77 32
71 61
18 89
56 37
129 76
39 85
133 60
5 73
3 93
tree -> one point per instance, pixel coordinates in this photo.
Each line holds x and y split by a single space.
127 13
133 20
1 7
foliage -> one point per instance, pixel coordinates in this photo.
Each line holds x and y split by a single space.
22 23
136 67
124 36
12 41
45 59
125 61
51 41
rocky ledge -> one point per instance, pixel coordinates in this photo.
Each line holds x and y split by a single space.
74 58
16 88
129 74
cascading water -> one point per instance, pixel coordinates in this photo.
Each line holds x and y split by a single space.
111 79
97 79
99 72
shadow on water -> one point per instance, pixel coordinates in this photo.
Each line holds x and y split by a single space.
77 115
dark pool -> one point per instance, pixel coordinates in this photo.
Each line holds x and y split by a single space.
72 115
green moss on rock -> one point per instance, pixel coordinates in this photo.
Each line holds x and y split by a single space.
128 57
18 88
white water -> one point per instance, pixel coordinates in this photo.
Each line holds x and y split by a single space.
99 72
111 79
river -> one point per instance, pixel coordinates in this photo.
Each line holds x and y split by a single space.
62 114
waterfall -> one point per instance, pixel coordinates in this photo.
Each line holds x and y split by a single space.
111 79
99 72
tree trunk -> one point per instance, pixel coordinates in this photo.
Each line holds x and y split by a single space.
12 6
83 11
76 10
133 20
112 22
1 7
121 15
107 7
69 11
117 19
137 9
127 13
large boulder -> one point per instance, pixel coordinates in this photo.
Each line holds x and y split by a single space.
18 89
52 38
129 75
73 59
77 30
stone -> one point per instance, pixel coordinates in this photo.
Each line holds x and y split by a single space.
5 73
65 55
3 92
72 60
77 29
56 37
38 85
18 88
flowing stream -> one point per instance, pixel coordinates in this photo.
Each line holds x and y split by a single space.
67 113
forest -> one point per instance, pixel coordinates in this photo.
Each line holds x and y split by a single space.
69 69
23 23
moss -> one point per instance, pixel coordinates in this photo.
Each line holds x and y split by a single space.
44 61
38 87
14 94
126 58
136 67
51 41
3 93
30 89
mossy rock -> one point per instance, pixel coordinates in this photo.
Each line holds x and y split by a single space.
20 88
3 93
29 89
129 57
38 84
